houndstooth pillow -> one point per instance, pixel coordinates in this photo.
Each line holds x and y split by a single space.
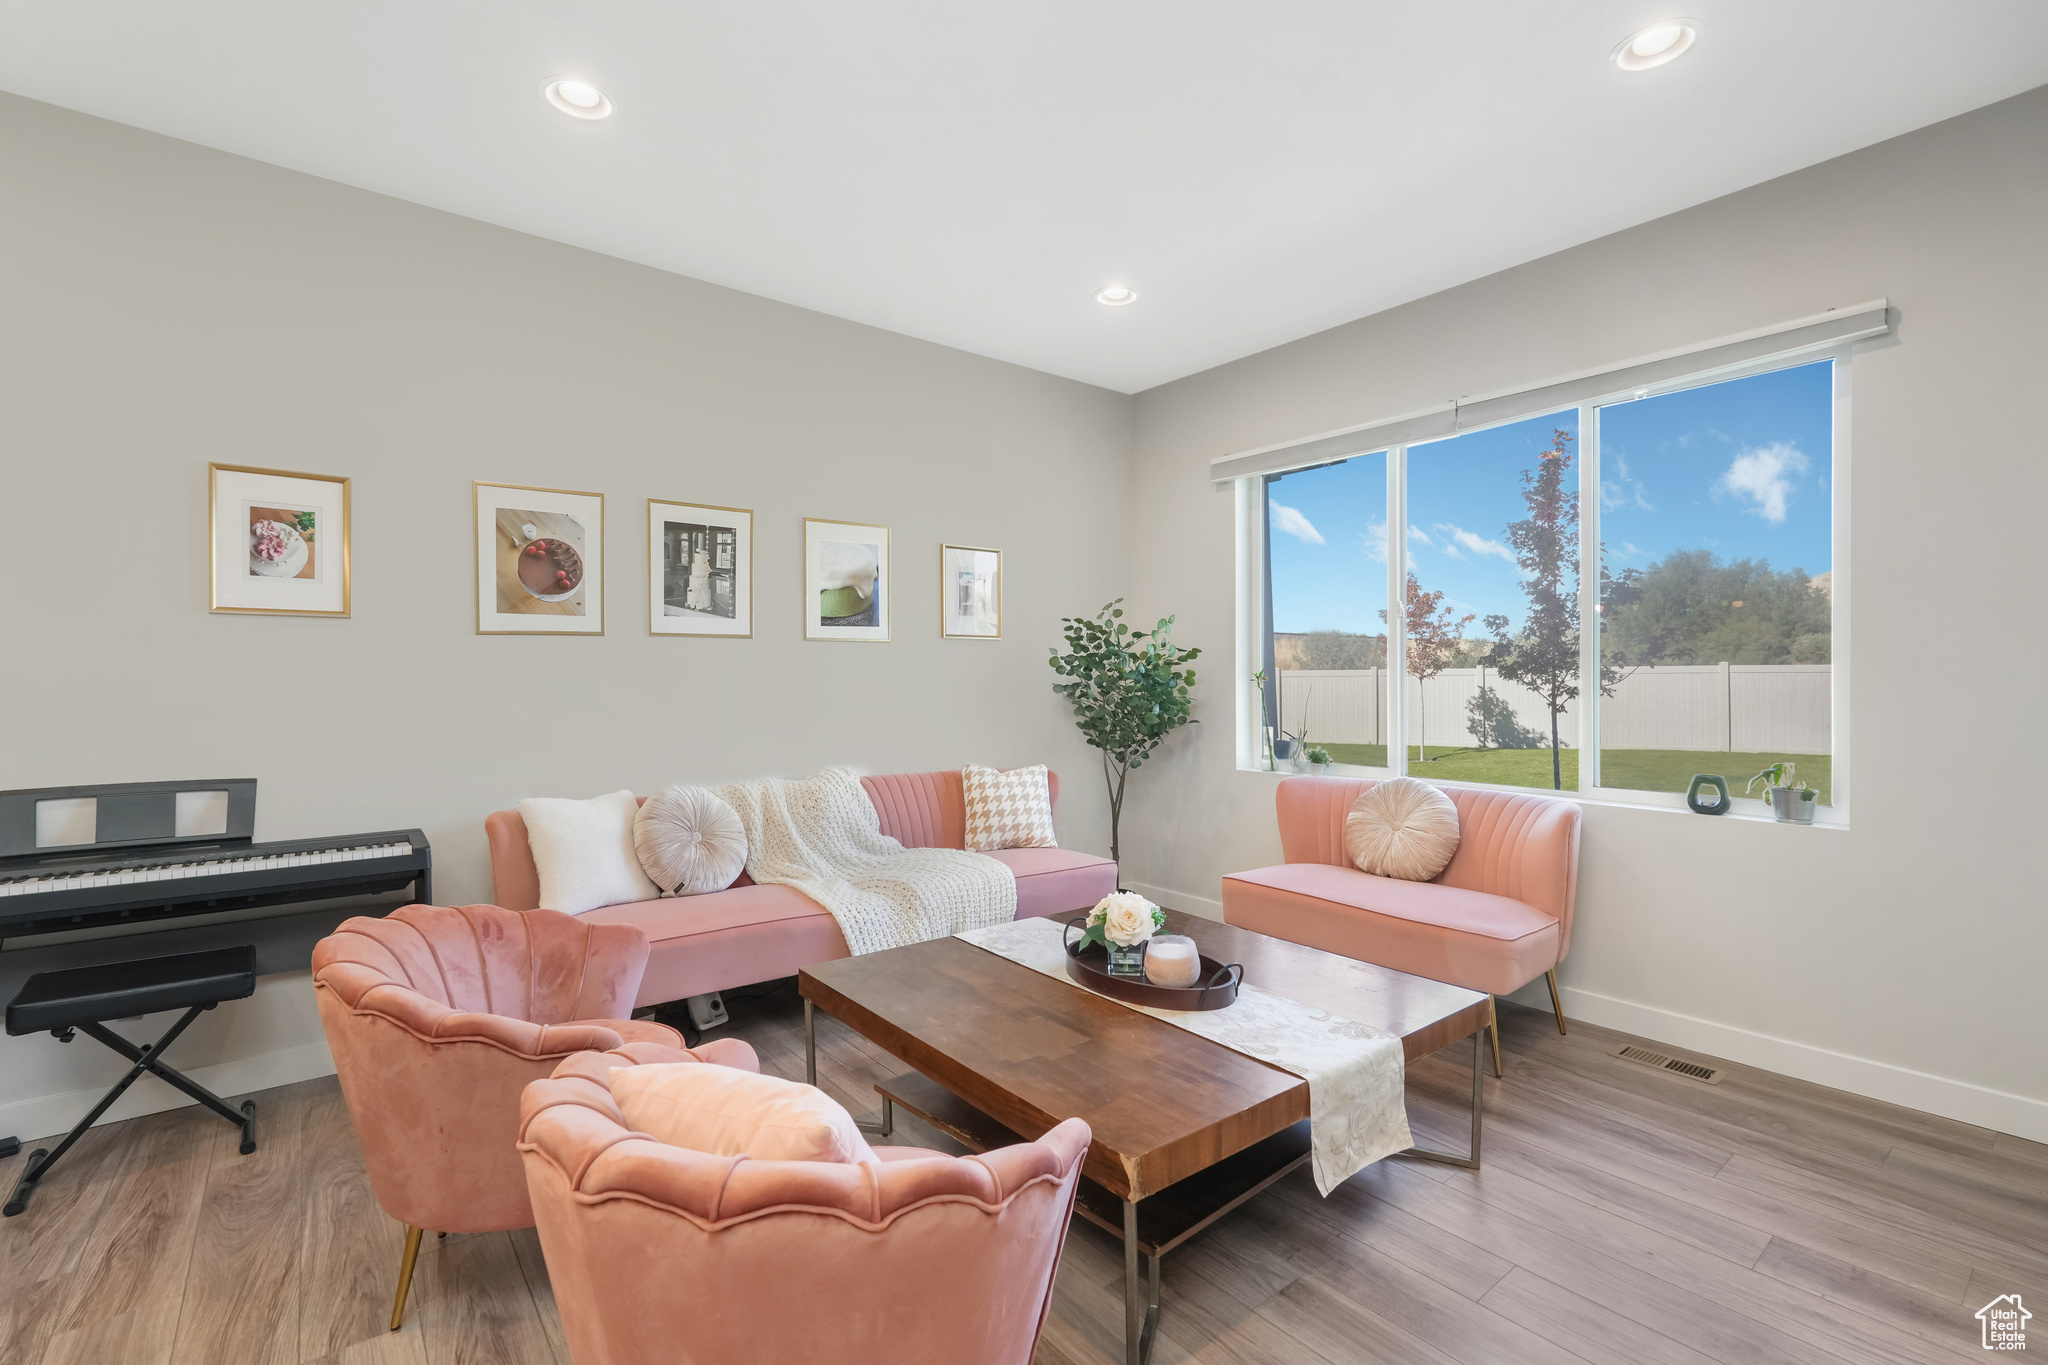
1008 809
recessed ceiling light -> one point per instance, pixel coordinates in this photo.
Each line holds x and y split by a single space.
1116 296
579 99
1663 41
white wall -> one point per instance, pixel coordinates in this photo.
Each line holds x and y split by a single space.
1902 958
162 305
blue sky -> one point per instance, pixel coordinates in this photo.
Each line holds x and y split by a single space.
1741 468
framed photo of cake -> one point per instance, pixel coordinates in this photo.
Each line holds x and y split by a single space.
846 581
539 561
279 541
970 593
700 569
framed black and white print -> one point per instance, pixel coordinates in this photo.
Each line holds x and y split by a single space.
279 542
846 581
700 569
970 593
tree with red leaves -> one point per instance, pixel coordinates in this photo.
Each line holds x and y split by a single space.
1434 643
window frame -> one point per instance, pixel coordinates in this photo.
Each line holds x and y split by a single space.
1254 633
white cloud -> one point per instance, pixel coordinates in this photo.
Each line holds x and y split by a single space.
1627 493
1295 524
1761 476
1374 542
1458 540
1417 537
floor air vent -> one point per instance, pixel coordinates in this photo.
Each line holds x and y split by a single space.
1711 1075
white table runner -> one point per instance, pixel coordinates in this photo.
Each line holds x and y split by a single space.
1357 1110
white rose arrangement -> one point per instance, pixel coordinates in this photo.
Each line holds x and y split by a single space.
1125 920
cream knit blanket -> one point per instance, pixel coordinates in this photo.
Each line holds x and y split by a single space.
821 836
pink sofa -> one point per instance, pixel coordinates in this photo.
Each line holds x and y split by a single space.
1494 920
439 1016
750 933
663 1256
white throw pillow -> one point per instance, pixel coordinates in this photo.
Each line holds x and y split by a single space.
690 841
1401 828
1008 809
728 1112
583 851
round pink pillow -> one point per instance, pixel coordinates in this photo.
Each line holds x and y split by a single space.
1401 828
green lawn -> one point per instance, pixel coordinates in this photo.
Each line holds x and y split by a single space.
1650 770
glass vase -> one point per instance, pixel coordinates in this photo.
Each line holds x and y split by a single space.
1127 961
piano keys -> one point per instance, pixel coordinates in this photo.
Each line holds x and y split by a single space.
150 863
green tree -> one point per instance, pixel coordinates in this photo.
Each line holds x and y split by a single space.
1691 607
1435 642
1130 689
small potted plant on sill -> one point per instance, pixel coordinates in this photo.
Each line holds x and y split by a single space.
1792 803
1318 760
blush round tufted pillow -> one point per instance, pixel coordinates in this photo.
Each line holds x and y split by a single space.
1401 828
689 841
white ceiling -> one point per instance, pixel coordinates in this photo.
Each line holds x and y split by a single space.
971 173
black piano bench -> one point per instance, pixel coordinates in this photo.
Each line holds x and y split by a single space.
82 998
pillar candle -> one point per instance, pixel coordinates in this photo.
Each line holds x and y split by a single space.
1172 960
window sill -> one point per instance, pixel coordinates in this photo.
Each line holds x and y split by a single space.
1664 803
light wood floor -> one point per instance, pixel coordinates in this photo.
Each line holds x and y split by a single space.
1624 1217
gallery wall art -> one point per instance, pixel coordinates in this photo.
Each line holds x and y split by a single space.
279 541
539 561
970 593
700 569
847 581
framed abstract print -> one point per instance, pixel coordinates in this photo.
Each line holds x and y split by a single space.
970 593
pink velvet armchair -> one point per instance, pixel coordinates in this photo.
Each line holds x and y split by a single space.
663 1256
439 1016
1494 920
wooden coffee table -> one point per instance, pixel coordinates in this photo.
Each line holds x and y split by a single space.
1184 1129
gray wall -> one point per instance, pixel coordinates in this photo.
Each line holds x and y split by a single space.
166 305
1901 958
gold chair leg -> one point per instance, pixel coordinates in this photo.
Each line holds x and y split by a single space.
412 1254
1556 1004
1493 1031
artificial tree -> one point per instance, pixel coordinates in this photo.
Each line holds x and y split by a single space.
1130 690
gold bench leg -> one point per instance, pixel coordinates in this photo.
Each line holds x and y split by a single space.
412 1254
1556 1004
1493 1031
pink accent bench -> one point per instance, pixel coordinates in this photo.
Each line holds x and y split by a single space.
1494 920
749 932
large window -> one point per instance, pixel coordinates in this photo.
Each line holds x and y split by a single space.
1615 595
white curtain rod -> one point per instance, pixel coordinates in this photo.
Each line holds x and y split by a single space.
1835 327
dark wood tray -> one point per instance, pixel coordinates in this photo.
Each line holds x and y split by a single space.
1089 967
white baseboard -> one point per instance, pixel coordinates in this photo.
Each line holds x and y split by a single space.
1999 1110
1178 900
49 1115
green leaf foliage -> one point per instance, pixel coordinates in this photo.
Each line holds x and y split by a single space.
1130 689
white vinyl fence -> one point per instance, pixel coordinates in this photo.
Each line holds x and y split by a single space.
1746 708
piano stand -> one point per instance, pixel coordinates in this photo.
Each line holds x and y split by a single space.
81 999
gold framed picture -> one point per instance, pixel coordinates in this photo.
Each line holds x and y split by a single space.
279 541
970 593
700 569
847 574
539 561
